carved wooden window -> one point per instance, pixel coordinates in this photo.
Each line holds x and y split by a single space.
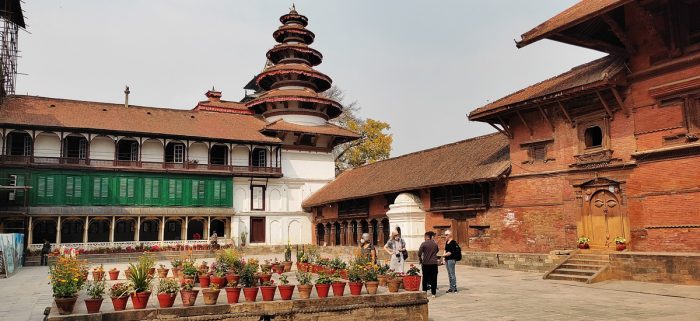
692 113
537 151
593 137
593 134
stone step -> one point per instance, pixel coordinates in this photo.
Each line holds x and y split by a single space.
591 256
568 265
567 277
588 261
575 272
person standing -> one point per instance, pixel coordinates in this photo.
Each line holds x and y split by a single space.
367 250
214 239
45 250
453 253
395 247
427 257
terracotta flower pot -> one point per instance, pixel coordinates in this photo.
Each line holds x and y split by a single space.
250 294
140 299
268 292
119 304
113 275
355 288
583 246
287 266
286 291
93 305
65 305
279 269
210 296
188 297
163 273
411 282
322 290
344 274
620 246
304 290
221 282
204 281
382 280
265 277
98 276
394 284
232 278
232 294
166 300
372 286
151 271
186 279
338 288
176 272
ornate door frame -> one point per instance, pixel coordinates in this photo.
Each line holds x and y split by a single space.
585 192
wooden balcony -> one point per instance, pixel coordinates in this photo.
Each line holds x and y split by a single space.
190 167
455 203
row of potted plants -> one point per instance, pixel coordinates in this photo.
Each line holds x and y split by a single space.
620 243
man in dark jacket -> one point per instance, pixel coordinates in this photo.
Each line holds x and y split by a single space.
45 250
427 256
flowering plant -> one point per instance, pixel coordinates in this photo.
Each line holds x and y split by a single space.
413 270
620 240
176 262
338 264
370 272
67 276
119 290
304 278
583 240
96 289
323 278
355 274
383 269
324 261
99 268
168 285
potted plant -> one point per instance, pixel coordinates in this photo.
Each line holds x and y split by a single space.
268 289
188 294
370 278
162 271
167 292
119 293
338 285
265 274
98 273
189 273
140 280
203 279
233 293
247 280
211 294
176 264
394 281
204 267
620 243
355 280
66 276
113 274
382 271
95 290
304 286
411 281
583 242
287 264
218 277
323 284
286 290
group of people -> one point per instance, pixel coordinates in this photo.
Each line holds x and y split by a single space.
428 257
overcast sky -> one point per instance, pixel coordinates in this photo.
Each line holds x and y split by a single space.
421 66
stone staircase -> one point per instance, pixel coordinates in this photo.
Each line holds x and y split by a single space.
581 267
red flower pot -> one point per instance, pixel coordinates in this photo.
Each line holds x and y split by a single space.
65 305
98 275
93 305
583 246
113 275
221 282
268 292
411 282
338 288
140 299
286 291
188 297
322 290
120 303
166 300
355 288
620 246
204 281
344 274
250 294
232 278
265 277
232 294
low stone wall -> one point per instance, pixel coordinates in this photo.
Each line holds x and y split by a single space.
677 268
530 262
395 306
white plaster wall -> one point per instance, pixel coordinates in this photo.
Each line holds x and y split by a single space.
240 156
306 120
274 199
308 165
198 152
102 148
152 151
47 145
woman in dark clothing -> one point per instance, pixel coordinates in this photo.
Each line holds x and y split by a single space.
45 250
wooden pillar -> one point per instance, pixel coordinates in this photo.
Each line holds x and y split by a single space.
380 233
327 235
58 231
29 232
85 231
138 229
333 234
161 237
358 231
111 229
370 228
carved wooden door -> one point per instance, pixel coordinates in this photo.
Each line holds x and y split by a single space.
605 220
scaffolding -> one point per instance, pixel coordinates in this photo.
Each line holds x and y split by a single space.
11 19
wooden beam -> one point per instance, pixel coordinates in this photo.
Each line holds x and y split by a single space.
500 130
506 127
522 119
638 13
590 43
545 117
563 110
619 33
605 105
618 98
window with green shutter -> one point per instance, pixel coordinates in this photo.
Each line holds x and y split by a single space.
197 192
19 194
127 190
151 189
74 190
175 191
45 189
220 193
100 190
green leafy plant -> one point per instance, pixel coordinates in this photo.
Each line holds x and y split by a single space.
620 240
168 285
189 269
288 252
338 264
247 275
583 240
383 269
324 278
300 255
265 268
370 272
67 276
139 278
120 290
355 274
413 270
188 286
269 282
324 261
96 289
284 279
304 278
148 261
176 262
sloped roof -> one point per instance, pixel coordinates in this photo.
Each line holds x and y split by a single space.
75 114
480 158
325 129
223 106
589 75
576 14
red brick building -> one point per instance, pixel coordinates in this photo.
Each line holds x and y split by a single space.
607 149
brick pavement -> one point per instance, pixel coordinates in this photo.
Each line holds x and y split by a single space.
485 294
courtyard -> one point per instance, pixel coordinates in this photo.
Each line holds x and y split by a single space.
484 294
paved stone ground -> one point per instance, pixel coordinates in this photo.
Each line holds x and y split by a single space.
485 294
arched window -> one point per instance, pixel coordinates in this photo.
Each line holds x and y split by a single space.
593 137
